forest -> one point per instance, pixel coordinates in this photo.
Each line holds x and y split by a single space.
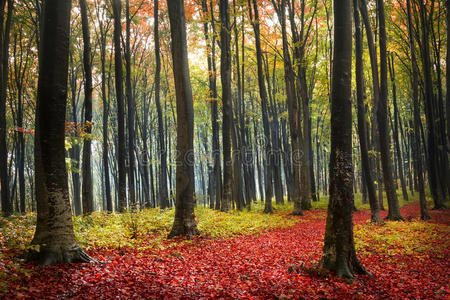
251 149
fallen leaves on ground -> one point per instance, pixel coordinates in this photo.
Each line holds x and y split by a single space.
409 259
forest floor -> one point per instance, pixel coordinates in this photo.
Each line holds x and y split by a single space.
409 259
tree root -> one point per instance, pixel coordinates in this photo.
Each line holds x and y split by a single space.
394 218
59 254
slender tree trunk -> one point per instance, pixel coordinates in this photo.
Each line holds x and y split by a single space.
292 105
106 108
396 126
5 29
359 70
225 71
339 254
263 95
131 111
87 190
386 161
447 77
163 194
432 147
122 193
417 149
184 223
54 229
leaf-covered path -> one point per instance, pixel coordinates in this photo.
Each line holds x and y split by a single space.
411 262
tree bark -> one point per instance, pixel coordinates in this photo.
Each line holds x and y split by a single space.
417 149
163 194
294 123
5 29
395 130
122 193
359 70
184 223
225 71
432 140
383 135
263 95
87 193
339 254
131 105
54 230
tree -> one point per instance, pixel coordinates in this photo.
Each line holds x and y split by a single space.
184 223
5 28
54 230
87 192
359 70
163 195
120 105
433 158
416 143
448 72
254 17
339 254
383 135
225 73
216 177
292 107
131 109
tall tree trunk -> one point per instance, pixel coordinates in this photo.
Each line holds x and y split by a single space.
122 189
339 254
5 29
433 151
417 149
384 137
163 194
263 95
87 190
184 223
359 70
54 229
74 152
447 77
294 123
106 108
131 111
396 126
225 71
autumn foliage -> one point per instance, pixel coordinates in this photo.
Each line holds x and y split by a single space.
408 260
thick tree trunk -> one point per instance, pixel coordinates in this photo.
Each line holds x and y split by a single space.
87 191
225 71
54 229
184 223
122 189
359 70
339 254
